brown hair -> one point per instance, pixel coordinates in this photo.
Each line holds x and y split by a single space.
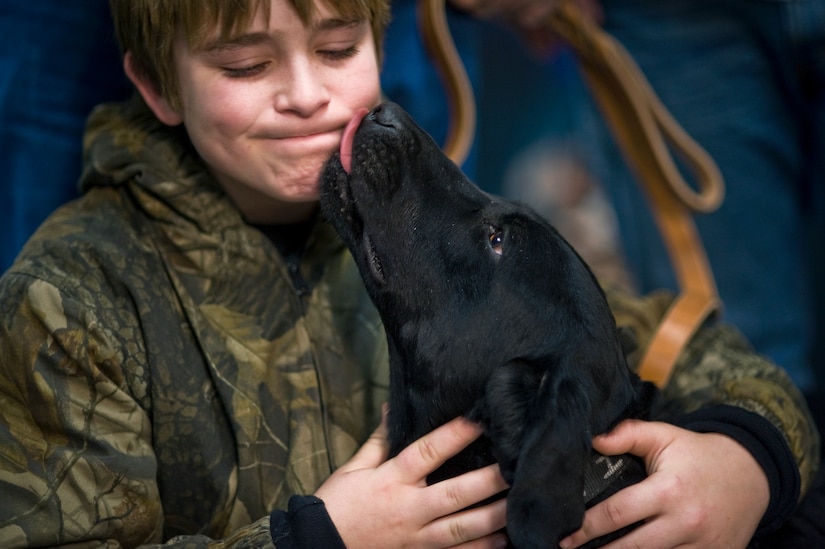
148 28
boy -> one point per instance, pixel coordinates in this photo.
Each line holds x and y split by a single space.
188 350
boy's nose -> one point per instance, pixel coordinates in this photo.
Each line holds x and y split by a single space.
302 90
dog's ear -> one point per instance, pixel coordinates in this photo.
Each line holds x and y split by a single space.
538 422
504 410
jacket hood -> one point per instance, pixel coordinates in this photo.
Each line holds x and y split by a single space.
125 144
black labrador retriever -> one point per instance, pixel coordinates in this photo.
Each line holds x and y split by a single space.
489 313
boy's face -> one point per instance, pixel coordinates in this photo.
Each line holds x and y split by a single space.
267 109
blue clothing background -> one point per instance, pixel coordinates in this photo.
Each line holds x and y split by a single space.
512 115
746 78
57 60
409 78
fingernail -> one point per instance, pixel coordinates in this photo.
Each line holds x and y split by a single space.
566 543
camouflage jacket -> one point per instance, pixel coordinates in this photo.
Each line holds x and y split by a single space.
167 379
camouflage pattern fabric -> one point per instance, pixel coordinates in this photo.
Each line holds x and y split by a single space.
161 373
719 367
164 379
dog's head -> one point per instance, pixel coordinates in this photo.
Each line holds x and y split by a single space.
478 296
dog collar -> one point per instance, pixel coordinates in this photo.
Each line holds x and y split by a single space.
606 475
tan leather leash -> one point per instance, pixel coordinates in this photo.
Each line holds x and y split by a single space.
435 32
646 133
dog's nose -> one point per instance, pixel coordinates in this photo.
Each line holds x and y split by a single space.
387 114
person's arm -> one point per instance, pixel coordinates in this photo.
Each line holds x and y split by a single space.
363 502
720 369
76 458
77 464
78 467
746 450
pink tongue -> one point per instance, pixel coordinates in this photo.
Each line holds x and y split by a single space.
349 137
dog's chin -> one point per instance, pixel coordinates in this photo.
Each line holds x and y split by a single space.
339 206
336 194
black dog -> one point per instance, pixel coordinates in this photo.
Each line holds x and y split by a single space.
490 314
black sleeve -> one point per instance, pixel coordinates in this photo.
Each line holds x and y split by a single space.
767 445
305 525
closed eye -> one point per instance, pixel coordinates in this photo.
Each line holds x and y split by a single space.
246 72
340 54
496 240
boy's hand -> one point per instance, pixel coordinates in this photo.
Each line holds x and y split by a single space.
375 502
703 491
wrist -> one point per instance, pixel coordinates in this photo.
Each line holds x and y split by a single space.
304 525
768 447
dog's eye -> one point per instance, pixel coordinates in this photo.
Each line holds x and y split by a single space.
496 239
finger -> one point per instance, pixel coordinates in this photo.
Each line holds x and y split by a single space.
457 493
645 439
475 527
429 452
533 15
628 506
495 541
652 534
373 452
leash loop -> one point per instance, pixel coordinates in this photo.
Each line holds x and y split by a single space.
435 32
644 129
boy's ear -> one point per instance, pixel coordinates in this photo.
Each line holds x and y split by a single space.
150 93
